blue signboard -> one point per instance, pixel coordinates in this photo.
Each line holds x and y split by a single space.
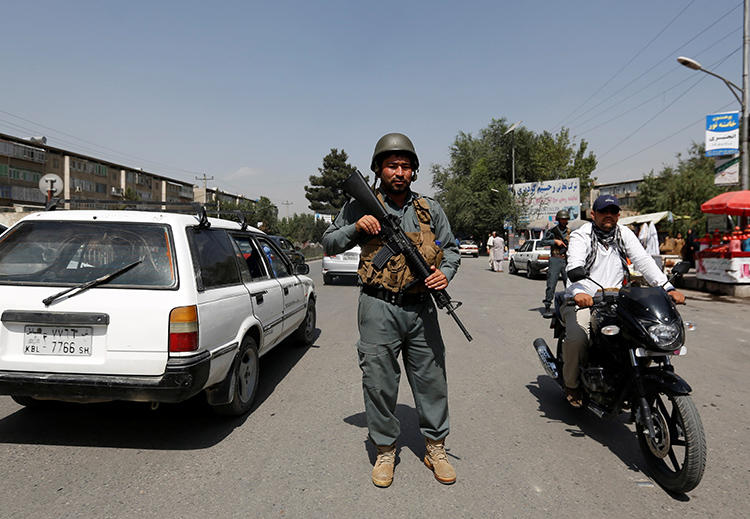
722 134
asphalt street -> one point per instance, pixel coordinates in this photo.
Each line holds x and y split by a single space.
518 449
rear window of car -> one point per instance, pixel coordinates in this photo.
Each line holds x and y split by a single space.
65 252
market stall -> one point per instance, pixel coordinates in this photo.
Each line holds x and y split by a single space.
726 257
649 237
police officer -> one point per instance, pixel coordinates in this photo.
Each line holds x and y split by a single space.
396 315
557 238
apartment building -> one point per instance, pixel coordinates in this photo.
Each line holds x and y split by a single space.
625 191
24 161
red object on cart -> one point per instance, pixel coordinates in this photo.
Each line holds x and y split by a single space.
732 202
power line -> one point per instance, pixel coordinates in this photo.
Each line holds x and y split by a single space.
676 67
654 97
664 109
628 63
665 138
668 56
111 150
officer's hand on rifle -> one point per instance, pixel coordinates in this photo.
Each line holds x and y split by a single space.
368 224
436 280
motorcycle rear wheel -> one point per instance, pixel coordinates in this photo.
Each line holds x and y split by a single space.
677 455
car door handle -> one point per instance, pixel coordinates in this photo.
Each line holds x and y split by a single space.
259 296
286 291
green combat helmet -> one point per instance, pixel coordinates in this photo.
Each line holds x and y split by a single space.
394 143
562 213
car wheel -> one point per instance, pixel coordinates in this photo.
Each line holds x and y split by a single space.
326 279
305 334
476 255
512 267
530 273
245 374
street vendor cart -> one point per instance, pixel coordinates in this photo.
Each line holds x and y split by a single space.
723 259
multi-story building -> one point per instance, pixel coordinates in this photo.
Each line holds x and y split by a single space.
23 163
210 195
625 191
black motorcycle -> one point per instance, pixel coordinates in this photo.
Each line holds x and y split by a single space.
635 332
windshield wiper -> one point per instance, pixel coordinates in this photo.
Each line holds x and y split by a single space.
88 284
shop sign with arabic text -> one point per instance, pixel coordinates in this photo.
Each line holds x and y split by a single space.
722 134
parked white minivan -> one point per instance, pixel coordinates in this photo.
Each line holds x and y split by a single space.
144 306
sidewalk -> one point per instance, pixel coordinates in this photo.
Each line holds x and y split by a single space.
690 282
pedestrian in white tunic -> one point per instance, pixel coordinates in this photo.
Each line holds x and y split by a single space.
496 250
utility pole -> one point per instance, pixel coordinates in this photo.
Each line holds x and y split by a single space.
745 167
287 203
205 180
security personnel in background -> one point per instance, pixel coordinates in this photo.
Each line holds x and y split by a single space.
396 315
557 238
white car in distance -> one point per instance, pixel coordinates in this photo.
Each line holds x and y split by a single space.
341 266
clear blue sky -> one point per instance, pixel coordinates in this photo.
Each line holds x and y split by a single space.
257 93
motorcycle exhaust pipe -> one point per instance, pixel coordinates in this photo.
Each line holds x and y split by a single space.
546 358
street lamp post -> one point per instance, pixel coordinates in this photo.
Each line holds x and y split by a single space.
511 130
694 65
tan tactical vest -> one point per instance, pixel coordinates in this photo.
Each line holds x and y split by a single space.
396 276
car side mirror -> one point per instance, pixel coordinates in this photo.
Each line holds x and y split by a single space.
577 274
301 268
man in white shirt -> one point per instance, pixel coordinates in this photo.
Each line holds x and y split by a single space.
602 249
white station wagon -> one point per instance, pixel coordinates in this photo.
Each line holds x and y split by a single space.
144 306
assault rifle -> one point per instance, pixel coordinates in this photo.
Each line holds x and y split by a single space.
396 242
556 230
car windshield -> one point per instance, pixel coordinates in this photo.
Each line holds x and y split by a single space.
64 252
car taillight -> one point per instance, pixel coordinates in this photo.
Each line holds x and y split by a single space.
183 329
544 256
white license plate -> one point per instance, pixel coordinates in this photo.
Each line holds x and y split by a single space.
57 340
351 255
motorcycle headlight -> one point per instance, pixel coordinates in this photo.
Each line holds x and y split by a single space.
664 335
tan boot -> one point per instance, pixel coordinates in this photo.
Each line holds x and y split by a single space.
436 459
382 472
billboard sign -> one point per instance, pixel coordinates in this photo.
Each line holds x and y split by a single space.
727 170
542 200
722 134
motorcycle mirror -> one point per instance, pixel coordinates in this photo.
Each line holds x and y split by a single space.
577 274
681 268
678 270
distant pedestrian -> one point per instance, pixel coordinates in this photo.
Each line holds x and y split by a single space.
496 250
691 247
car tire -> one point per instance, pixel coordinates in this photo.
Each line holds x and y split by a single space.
512 267
475 255
326 279
305 334
245 372
530 272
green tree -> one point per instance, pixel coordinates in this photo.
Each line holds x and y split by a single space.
302 228
266 215
474 187
324 192
681 189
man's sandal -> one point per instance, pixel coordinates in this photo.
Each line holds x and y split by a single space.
574 397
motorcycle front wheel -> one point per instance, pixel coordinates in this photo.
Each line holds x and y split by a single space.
677 454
